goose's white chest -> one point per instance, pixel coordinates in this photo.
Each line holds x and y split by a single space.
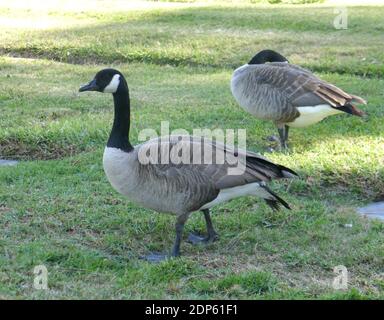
238 82
120 170
123 173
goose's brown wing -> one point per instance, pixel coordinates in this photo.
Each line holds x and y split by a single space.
300 87
205 180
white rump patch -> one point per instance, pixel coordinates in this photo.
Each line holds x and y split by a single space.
251 189
113 85
312 114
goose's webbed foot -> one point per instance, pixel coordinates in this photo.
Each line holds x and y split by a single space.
158 257
197 239
274 144
273 139
212 235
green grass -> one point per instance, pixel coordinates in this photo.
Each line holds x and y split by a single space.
58 209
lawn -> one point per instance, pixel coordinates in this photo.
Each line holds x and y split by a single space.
57 208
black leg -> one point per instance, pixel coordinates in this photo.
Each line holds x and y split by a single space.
179 226
286 133
179 233
283 133
212 235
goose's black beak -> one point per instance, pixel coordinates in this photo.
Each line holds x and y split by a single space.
91 86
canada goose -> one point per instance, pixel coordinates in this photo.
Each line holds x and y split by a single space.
287 94
181 188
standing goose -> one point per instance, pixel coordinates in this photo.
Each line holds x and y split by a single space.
287 94
180 188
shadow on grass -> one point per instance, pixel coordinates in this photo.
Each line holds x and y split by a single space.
216 37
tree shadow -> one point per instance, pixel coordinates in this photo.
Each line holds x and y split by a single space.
212 36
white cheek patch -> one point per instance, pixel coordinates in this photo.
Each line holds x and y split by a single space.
113 85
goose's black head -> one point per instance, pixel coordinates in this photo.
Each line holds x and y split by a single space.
107 81
267 56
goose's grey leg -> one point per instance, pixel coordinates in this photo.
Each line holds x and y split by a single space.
283 133
283 136
212 235
286 133
179 226
179 234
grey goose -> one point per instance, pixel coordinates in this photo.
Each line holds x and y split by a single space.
287 94
177 188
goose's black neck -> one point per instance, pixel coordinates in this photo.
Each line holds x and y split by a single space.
267 56
119 137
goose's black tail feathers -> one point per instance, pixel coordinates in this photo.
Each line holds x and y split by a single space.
269 169
276 202
351 109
